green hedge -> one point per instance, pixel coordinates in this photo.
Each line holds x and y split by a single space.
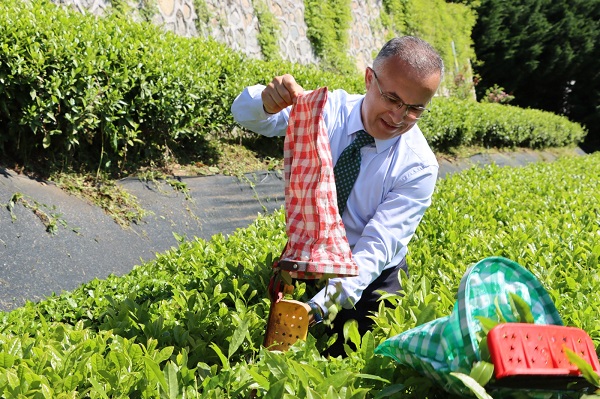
192 321
452 122
109 90
110 94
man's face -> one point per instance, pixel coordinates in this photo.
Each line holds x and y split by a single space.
385 116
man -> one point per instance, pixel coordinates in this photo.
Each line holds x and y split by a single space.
397 174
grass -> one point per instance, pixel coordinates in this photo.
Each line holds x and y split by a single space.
237 157
103 192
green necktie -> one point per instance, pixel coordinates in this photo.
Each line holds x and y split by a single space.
347 167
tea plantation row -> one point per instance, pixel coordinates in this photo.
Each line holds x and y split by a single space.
108 94
190 324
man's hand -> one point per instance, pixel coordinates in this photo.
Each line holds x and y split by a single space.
280 93
315 313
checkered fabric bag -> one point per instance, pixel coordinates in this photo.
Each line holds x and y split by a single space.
450 344
317 240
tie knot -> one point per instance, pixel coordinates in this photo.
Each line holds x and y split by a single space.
362 139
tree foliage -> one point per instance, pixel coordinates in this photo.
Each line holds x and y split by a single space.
447 27
544 52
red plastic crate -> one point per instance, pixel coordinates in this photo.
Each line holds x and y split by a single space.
520 349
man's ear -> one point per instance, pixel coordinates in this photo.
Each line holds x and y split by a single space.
368 78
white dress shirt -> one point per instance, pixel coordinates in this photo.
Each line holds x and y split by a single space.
393 189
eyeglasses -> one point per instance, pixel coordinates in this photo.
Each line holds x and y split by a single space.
395 103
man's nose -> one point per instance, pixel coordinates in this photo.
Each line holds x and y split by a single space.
399 114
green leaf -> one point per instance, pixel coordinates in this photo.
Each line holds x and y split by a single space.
46 141
96 362
372 377
7 360
98 388
486 323
571 283
286 277
154 371
586 369
315 374
484 350
332 394
367 348
312 394
170 373
427 314
276 390
482 372
473 385
337 380
238 337
119 360
499 311
224 360
521 309
300 373
260 379
390 390
164 354
350 331
47 392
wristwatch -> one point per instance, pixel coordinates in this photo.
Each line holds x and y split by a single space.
316 311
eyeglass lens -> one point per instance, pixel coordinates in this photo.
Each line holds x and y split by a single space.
394 104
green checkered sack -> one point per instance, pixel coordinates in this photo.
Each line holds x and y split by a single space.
449 344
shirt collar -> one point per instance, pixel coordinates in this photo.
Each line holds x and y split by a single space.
355 124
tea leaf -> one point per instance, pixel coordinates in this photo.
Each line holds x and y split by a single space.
473 385
427 314
238 337
7 360
486 323
98 388
521 309
586 369
154 370
170 373
482 372
224 360
499 311
350 331
277 389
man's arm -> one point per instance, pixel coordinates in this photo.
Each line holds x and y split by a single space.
385 235
266 109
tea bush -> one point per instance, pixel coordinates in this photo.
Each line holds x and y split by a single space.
75 88
108 93
191 322
452 122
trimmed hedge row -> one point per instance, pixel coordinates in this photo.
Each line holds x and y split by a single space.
101 90
452 122
110 94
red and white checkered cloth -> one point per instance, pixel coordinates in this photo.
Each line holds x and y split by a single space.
315 230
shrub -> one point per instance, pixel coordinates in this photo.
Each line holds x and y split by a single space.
452 122
191 322
102 92
108 94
